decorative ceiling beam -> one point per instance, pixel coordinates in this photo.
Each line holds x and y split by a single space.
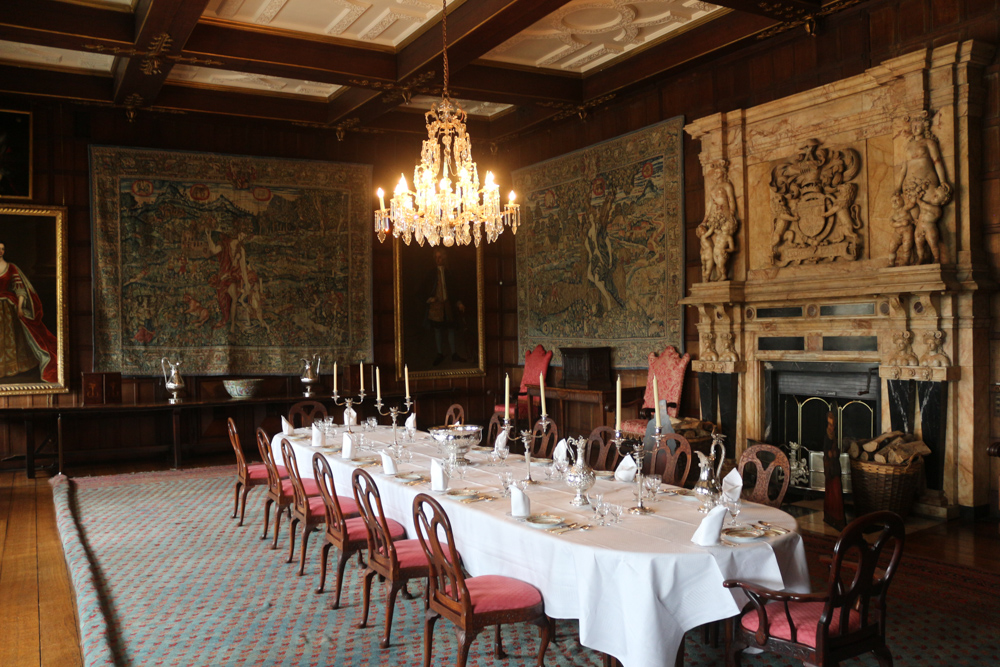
161 29
50 83
523 119
515 86
781 10
263 51
187 99
65 25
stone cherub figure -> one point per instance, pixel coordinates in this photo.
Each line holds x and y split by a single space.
901 249
717 230
934 356
902 341
926 238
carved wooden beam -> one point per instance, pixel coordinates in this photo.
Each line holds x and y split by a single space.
64 25
197 100
782 10
63 85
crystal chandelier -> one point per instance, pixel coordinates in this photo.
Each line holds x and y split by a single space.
446 207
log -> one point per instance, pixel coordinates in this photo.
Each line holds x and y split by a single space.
853 451
876 444
901 453
863 456
881 456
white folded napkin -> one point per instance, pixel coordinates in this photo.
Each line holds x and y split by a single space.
411 422
388 464
350 417
439 479
318 436
347 451
560 453
520 504
625 472
501 442
710 528
286 426
732 485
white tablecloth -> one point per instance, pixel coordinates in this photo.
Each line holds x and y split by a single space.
636 587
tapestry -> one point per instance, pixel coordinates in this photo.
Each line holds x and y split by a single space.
600 253
231 264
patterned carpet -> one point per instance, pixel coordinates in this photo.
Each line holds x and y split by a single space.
163 576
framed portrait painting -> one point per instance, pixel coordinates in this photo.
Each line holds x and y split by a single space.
15 154
439 310
33 268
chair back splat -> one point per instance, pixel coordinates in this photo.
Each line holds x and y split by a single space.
446 582
304 413
234 440
454 415
380 544
544 438
602 453
672 465
755 456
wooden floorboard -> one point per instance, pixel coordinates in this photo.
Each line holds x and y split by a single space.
19 579
59 636
6 482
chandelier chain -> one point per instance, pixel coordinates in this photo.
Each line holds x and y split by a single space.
444 41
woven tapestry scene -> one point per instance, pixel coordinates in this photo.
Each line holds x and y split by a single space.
164 576
600 255
235 265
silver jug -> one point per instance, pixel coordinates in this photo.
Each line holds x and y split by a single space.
172 379
708 488
310 374
580 476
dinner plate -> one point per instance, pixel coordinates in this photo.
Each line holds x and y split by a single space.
544 521
742 534
463 493
482 448
606 476
541 462
409 477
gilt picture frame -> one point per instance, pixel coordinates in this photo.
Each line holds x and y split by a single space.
15 155
439 311
33 295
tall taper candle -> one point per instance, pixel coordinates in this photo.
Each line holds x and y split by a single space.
541 389
335 377
406 378
618 412
378 384
361 374
506 397
656 400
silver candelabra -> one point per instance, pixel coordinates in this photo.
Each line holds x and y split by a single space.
638 453
348 403
394 412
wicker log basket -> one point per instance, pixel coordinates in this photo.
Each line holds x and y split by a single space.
878 486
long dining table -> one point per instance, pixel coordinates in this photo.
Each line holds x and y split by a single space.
635 587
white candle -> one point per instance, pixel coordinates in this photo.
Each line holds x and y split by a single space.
361 374
656 400
506 397
381 199
541 389
378 384
406 379
335 377
618 414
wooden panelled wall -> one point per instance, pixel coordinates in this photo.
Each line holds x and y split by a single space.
846 44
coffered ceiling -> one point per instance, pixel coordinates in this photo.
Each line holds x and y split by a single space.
370 65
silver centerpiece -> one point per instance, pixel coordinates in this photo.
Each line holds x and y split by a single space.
580 476
708 488
172 379
457 440
310 375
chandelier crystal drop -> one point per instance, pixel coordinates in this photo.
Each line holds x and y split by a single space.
448 206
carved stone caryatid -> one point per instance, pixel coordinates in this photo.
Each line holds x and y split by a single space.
922 192
813 205
718 230
707 351
902 354
934 356
727 352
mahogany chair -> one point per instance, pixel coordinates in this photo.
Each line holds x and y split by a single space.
667 371
396 561
493 429
247 476
454 415
473 603
535 361
544 439
279 487
349 535
673 466
304 413
308 508
767 461
846 620
601 452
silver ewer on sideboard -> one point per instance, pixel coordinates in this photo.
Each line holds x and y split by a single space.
172 379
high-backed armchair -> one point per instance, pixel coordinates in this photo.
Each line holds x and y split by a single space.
535 362
667 371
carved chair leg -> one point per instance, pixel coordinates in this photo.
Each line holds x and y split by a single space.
277 526
267 517
734 647
884 656
236 497
430 618
367 598
547 632
341 564
498 643
243 504
291 538
465 640
407 595
390 607
324 557
611 661
306 531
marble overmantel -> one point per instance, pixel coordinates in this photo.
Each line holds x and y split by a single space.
825 188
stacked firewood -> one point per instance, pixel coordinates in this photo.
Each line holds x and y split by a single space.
690 427
893 448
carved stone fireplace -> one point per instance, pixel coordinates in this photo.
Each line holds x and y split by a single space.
843 233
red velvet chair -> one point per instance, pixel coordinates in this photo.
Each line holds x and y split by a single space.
397 561
247 476
535 361
308 508
474 603
279 487
349 535
667 370
847 620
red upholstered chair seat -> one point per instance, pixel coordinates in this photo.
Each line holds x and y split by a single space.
634 426
258 471
805 616
308 485
409 553
356 528
318 508
491 592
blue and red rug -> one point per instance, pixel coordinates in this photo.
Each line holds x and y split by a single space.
163 576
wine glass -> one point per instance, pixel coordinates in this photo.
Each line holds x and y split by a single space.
506 479
616 513
502 453
734 505
651 485
595 500
601 509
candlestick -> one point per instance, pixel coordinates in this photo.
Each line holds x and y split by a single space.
361 374
656 400
618 399
541 389
506 396
335 377
378 384
381 199
406 379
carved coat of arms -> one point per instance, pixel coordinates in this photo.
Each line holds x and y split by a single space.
815 216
